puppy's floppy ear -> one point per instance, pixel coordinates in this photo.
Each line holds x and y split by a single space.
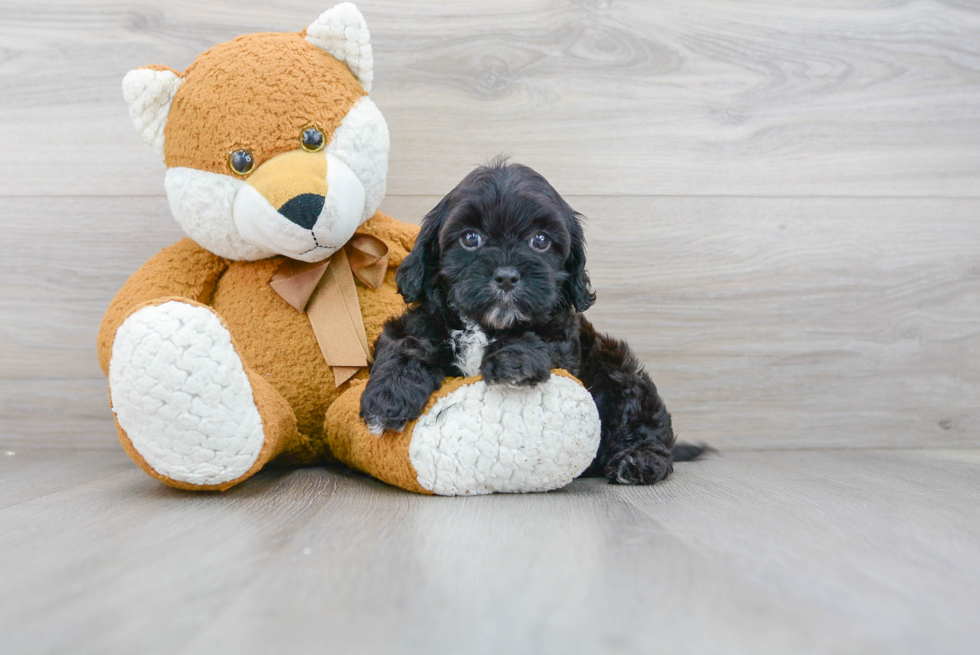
416 272
578 289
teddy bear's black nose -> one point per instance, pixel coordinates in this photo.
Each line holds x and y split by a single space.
304 209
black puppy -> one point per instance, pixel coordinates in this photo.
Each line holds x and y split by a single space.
497 283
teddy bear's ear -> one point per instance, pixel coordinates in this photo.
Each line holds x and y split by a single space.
342 32
149 92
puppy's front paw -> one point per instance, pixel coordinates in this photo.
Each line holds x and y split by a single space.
385 407
516 366
638 465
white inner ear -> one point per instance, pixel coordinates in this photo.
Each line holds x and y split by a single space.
149 94
342 31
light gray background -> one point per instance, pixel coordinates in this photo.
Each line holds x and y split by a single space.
783 198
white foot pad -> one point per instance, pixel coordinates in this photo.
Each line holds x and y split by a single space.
180 392
485 439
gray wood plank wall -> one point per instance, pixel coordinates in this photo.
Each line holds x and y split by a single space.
783 198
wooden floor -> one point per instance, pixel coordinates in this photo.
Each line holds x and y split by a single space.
833 551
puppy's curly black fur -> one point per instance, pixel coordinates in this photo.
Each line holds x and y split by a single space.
497 286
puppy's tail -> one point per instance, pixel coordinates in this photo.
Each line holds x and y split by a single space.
685 452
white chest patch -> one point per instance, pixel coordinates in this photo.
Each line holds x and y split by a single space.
469 344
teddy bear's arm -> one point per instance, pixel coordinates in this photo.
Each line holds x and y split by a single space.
183 270
399 236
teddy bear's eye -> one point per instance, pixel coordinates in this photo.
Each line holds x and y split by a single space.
241 162
312 139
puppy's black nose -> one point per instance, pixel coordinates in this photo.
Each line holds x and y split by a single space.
304 209
506 277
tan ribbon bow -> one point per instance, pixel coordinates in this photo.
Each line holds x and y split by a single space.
327 293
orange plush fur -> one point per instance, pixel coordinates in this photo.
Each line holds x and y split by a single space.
215 112
258 92
276 343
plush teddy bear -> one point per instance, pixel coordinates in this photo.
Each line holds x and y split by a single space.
249 341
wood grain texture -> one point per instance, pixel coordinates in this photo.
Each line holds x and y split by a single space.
687 97
808 320
128 565
779 322
766 322
29 473
751 552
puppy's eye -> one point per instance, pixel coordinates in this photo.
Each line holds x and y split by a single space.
312 139
540 242
471 240
241 162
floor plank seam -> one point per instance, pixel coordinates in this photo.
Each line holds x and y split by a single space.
62 489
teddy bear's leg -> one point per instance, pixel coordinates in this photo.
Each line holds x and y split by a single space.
187 409
474 438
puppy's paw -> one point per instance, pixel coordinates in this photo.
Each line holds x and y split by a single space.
518 366
638 465
385 407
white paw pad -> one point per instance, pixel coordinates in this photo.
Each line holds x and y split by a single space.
180 392
485 439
